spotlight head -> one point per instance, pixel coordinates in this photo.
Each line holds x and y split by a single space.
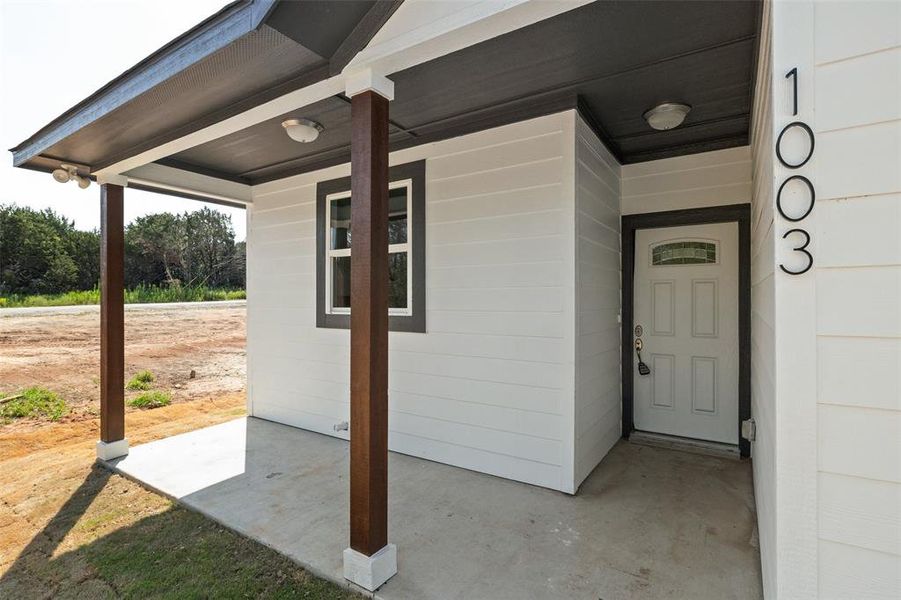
61 175
83 182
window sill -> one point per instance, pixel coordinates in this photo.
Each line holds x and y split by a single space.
414 323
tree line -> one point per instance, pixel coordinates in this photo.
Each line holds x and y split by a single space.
42 252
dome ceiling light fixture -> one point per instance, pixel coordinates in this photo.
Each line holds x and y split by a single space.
667 115
67 172
302 130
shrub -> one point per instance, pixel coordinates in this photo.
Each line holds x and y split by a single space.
151 400
34 402
141 381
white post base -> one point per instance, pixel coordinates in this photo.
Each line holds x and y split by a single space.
370 572
111 450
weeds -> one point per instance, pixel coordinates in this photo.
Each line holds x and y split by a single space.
151 400
140 295
141 381
34 402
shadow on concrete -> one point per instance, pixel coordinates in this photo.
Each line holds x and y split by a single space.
649 523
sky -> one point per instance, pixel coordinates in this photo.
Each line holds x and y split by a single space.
54 54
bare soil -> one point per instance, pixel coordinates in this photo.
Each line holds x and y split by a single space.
72 529
60 351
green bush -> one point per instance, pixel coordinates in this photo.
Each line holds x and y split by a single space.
151 400
34 402
141 381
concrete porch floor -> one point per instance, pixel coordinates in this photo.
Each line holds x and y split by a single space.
648 523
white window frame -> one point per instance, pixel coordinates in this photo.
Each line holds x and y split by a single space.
331 254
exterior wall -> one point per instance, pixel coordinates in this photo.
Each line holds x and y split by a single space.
829 489
856 88
490 387
598 410
763 334
694 181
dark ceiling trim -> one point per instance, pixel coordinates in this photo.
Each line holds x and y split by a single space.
363 33
229 24
595 125
343 98
738 117
686 149
755 59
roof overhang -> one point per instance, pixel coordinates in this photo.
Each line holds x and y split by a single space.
457 68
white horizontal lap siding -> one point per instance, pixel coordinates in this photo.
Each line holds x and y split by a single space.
857 75
716 178
489 387
598 408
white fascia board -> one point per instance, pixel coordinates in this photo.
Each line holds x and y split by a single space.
367 80
472 24
475 23
179 181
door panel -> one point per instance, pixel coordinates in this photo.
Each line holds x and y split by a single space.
664 307
686 303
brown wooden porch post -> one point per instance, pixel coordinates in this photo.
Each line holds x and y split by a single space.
369 324
112 323
369 561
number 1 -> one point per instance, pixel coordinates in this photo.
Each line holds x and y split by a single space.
794 75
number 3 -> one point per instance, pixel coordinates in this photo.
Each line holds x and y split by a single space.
801 248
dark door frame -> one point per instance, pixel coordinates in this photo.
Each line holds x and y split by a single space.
740 213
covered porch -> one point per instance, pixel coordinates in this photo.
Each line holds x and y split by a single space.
505 344
648 523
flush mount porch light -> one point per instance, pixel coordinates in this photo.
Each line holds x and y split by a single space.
302 130
668 115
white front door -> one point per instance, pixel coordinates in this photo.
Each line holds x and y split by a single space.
686 312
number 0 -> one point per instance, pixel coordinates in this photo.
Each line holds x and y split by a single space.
785 130
813 197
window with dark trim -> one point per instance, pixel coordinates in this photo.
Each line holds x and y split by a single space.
406 250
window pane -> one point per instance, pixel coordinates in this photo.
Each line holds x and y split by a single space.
397 216
340 216
341 282
397 280
683 253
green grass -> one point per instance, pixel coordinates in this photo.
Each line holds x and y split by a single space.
151 400
140 295
35 402
141 381
180 554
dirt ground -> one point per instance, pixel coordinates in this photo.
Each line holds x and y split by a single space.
72 529
60 350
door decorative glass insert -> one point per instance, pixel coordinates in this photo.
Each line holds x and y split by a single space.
684 252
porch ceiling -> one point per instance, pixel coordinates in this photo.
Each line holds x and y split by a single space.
613 60
248 53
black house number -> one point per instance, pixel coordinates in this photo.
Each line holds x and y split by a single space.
798 233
